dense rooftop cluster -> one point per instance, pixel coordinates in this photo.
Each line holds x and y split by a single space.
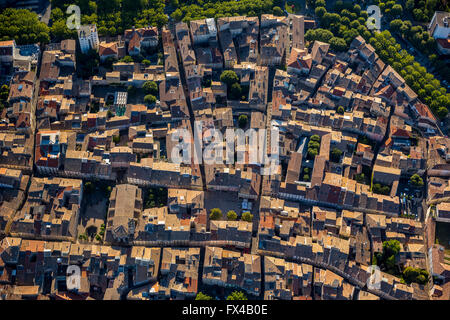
88 177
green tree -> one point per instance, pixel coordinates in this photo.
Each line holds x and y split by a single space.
313 144
416 180
409 5
150 87
396 10
277 11
247 216
360 178
83 236
391 248
215 214
313 152
315 137
229 77
442 112
60 31
336 154
57 14
235 91
231 215
177 15
242 120
320 11
380 189
4 93
23 26
340 110
127 59
150 99
395 25
319 34
416 275
237 295
132 90
89 187
202 296
320 3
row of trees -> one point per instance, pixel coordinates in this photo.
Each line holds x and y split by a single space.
387 261
234 89
416 76
216 214
313 146
381 189
4 93
336 155
156 197
201 9
112 17
423 41
23 26
338 30
350 22
152 90
235 295
416 180
417 35
423 10
390 8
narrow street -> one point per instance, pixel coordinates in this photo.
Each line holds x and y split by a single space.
188 102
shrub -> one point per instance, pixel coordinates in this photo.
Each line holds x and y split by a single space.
150 87
127 59
235 91
243 120
202 296
231 215
336 155
247 216
215 214
416 180
150 99
315 137
237 295
229 77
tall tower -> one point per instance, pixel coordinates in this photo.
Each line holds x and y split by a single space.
88 38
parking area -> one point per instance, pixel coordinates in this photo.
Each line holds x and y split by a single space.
443 235
226 201
93 214
410 200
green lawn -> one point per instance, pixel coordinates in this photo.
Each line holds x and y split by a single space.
443 235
